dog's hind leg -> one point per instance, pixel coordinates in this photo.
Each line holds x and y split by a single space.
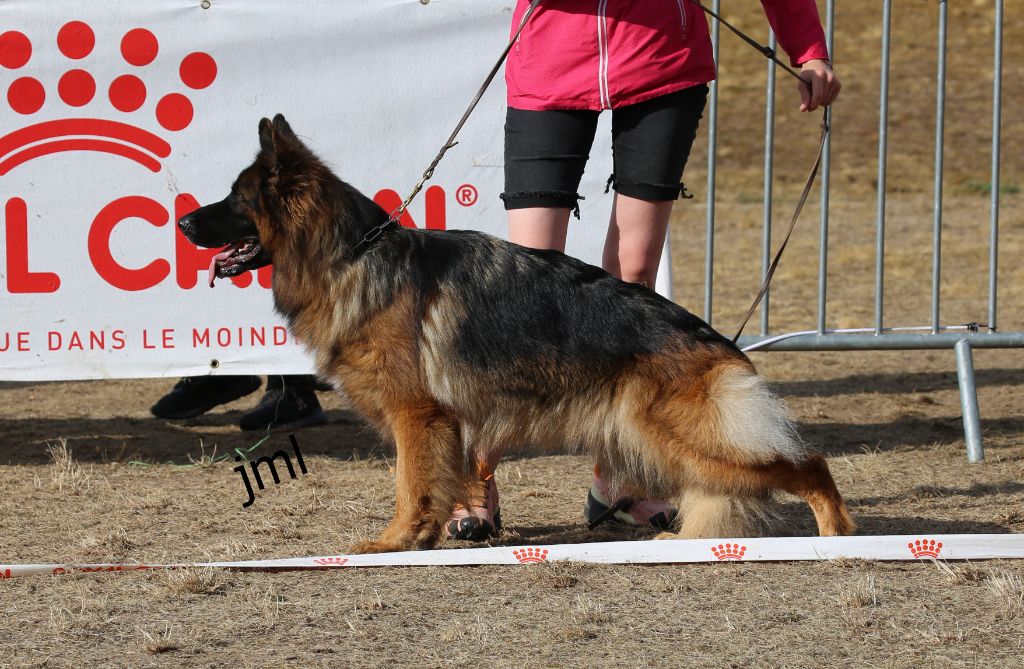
734 493
811 480
726 434
429 478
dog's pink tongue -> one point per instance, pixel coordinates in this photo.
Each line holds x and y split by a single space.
223 255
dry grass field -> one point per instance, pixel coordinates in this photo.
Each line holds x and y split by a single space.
86 475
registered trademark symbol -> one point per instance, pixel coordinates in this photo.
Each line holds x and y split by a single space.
466 195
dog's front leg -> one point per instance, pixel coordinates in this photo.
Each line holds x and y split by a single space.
428 480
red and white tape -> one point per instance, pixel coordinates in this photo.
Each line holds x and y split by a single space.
910 547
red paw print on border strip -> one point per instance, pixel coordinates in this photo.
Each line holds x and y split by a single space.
127 93
922 548
728 551
331 561
6 573
529 555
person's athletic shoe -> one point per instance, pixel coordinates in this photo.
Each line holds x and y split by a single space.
284 407
602 507
481 521
195 395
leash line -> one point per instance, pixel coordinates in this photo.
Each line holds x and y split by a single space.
769 53
450 142
789 232
378 230
763 49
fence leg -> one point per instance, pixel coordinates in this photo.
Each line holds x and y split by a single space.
969 401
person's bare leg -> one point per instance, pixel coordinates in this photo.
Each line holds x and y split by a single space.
539 227
632 252
636 235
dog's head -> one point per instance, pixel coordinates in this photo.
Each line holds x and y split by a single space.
268 194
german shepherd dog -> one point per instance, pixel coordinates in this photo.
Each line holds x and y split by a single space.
454 344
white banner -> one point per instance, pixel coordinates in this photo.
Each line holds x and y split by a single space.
117 116
678 551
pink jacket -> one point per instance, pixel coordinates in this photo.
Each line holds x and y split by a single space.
602 54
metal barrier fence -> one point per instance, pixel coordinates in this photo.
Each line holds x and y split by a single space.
879 337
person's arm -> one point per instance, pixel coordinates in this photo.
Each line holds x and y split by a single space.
798 27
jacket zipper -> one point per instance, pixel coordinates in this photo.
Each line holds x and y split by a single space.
602 45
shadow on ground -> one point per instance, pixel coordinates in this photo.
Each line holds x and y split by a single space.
346 436
844 438
895 383
151 440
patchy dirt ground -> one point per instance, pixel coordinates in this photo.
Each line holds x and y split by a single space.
889 423
139 489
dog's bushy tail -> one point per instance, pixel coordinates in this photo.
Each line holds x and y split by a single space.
749 419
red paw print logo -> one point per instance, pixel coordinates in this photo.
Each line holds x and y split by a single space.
528 555
127 93
729 551
6 573
331 561
921 548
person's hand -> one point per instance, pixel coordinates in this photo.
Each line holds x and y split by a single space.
824 85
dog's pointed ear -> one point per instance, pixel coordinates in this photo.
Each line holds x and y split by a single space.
277 137
282 128
267 142
285 160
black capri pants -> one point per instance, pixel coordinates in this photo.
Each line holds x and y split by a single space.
546 151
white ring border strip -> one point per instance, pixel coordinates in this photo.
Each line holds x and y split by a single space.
680 551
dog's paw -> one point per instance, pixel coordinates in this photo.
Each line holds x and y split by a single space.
667 535
375 547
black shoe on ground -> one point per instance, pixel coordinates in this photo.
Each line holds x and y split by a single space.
284 407
195 395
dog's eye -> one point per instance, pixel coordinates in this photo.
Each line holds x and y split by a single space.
242 201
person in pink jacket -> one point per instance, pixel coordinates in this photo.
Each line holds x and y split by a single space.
648 62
